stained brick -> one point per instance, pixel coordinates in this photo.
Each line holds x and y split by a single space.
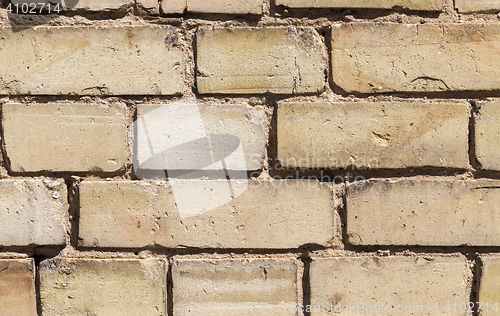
388 57
65 137
259 60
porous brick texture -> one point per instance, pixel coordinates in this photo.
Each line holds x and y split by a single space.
96 60
17 287
423 212
389 284
489 284
34 212
370 58
372 135
249 157
259 60
229 287
103 287
424 5
137 214
65 137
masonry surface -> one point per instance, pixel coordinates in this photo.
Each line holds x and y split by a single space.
258 157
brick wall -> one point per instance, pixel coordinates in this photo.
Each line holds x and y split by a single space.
284 157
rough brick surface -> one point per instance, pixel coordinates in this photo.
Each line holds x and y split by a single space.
33 212
234 287
103 287
204 6
17 287
117 60
424 212
391 281
468 6
426 5
371 58
88 5
225 6
489 284
259 60
173 6
245 122
487 134
65 137
281 214
372 135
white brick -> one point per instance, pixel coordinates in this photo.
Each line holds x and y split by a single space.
103 287
487 133
245 122
392 57
90 60
225 6
33 212
416 282
234 287
424 212
259 60
469 6
424 5
65 137
372 135
489 285
17 287
279 214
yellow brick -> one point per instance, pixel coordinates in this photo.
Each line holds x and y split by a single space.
17 287
234 287
388 57
65 137
372 135
259 60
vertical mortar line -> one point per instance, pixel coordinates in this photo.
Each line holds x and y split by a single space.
191 52
73 212
474 163
170 288
6 161
272 139
326 33
306 283
342 210
476 272
38 297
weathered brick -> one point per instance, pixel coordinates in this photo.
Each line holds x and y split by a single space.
103 287
372 58
372 135
200 6
225 6
489 285
17 287
153 6
234 287
427 5
487 133
88 5
395 282
34 212
90 60
173 6
279 214
260 60
245 122
65 137
424 212
468 6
